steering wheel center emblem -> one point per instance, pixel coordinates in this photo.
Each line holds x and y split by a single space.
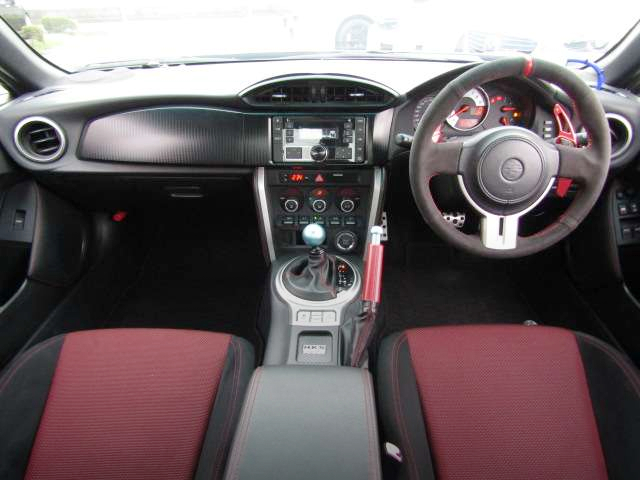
512 169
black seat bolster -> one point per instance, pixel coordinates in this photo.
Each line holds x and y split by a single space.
235 377
24 387
400 410
614 387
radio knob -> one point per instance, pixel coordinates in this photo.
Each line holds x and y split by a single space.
318 153
319 205
291 205
346 241
347 205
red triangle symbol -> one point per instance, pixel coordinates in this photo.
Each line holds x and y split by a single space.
319 178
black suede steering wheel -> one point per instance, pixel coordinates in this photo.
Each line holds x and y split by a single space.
504 172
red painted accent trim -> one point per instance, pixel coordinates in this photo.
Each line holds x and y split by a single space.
563 186
373 274
119 216
128 403
490 392
565 127
528 67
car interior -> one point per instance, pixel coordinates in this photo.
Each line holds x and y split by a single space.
330 265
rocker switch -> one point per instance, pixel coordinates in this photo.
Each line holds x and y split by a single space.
18 220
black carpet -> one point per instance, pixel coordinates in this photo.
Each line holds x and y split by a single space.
201 270
435 285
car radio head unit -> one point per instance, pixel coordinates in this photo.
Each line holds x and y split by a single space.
318 139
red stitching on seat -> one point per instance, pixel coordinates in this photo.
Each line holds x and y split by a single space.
237 360
413 472
24 358
618 360
246 419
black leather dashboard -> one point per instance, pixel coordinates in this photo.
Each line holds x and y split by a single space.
178 136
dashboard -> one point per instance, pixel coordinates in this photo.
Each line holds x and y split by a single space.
229 117
315 143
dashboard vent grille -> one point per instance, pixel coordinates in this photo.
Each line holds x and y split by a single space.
621 134
39 139
319 93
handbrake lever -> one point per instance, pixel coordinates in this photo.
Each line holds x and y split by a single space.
371 293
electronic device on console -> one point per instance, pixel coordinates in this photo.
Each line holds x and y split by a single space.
318 139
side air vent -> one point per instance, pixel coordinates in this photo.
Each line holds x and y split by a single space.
39 139
319 92
621 134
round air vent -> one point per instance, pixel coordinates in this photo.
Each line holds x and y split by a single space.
39 139
621 134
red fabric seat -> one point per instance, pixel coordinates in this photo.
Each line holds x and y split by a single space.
509 402
123 403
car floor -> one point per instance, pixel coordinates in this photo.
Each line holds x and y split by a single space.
436 285
192 264
197 273
199 266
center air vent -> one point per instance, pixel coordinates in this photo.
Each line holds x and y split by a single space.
39 139
318 92
621 134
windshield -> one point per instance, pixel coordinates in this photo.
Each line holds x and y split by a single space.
78 34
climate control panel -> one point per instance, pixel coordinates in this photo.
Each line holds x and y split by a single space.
339 200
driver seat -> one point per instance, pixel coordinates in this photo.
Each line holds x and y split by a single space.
508 402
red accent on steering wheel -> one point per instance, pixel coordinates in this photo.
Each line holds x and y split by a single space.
528 67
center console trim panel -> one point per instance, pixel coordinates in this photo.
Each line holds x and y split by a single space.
336 305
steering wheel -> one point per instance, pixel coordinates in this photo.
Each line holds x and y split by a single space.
504 172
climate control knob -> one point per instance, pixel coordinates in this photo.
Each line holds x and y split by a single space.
291 205
318 153
346 241
319 205
347 205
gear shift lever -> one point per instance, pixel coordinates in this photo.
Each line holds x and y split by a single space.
314 235
312 277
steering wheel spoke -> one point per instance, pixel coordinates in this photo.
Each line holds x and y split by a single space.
577 163
499 232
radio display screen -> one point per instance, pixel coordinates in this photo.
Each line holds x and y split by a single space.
318 139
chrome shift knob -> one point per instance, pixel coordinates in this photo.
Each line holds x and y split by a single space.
314 235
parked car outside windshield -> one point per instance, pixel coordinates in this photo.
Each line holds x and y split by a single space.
79 34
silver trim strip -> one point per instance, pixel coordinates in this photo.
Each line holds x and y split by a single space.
510 222
337 305
288 78
626 124
259 182
31 156
376 193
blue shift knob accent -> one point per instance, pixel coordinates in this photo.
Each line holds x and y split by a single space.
314 235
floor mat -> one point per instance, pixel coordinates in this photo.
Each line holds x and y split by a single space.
199 272
434 289
435 285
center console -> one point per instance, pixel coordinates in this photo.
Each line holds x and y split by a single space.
322 175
